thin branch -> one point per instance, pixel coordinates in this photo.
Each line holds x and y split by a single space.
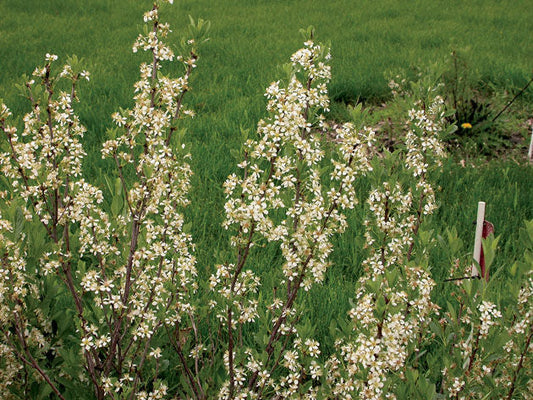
520 364
29 359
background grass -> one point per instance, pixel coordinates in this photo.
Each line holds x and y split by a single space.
249 39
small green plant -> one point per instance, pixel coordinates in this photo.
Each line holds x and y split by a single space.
477 108
474 108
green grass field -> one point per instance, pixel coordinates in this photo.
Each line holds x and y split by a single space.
249 39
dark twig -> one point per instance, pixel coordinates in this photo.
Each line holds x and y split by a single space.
512 101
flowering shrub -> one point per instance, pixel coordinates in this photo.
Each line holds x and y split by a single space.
129 279
282 197
100 298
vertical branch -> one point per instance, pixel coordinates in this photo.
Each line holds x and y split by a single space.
417 225
455 85
23 175
230 355
176 344
154 61
27 357
116 336
180 98
520 365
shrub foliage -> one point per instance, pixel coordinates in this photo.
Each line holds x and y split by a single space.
101 298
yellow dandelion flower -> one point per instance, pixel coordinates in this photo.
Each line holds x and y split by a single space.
466 125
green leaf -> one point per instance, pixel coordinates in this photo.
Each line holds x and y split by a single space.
117 203
245 133
392 276
18 223
305 387
529 230
490 246
235 154
148 170
112 133
308 33
435 328
332 329
451 309
163 365
187 227
380 304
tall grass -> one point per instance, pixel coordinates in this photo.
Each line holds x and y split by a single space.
249 38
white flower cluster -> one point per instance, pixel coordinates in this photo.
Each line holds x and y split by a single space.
13 284
394 294
489 313
422 139
152 41
11 367
39 166
297 363
43 165
138 272
519 347
13 290
281 197
286 147
153 285
477 357
470 367
246 285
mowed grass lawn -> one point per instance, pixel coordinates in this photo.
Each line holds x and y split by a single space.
248 40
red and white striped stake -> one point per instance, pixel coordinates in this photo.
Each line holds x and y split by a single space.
483 230
479 233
